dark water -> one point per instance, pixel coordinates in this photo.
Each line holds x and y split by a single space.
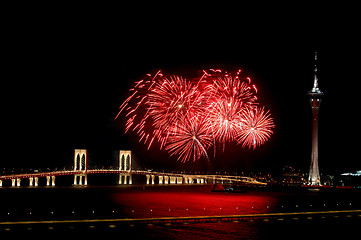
58 203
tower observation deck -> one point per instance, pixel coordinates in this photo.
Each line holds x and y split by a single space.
315 100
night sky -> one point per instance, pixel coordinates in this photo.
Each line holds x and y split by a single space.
69 70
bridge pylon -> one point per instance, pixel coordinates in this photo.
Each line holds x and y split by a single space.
125 164
81 164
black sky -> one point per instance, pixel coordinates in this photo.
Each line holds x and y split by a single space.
69 70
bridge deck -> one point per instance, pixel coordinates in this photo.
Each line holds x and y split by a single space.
111 171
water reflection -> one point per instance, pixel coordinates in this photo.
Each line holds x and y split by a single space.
191 201
25 204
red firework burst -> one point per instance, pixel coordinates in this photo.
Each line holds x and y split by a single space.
170 100
232 97
187 117
256 127
189 139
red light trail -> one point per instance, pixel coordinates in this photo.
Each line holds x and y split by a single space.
188 117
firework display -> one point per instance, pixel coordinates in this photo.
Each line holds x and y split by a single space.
188 117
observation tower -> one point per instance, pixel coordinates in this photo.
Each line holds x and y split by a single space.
315 100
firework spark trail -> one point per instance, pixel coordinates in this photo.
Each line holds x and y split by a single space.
187 117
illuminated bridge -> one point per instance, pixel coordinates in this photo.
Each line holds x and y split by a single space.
125 172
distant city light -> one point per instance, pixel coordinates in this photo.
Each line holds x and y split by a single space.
355 174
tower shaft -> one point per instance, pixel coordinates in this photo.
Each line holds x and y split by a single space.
314 174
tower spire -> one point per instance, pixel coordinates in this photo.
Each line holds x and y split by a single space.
315 79
315 89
